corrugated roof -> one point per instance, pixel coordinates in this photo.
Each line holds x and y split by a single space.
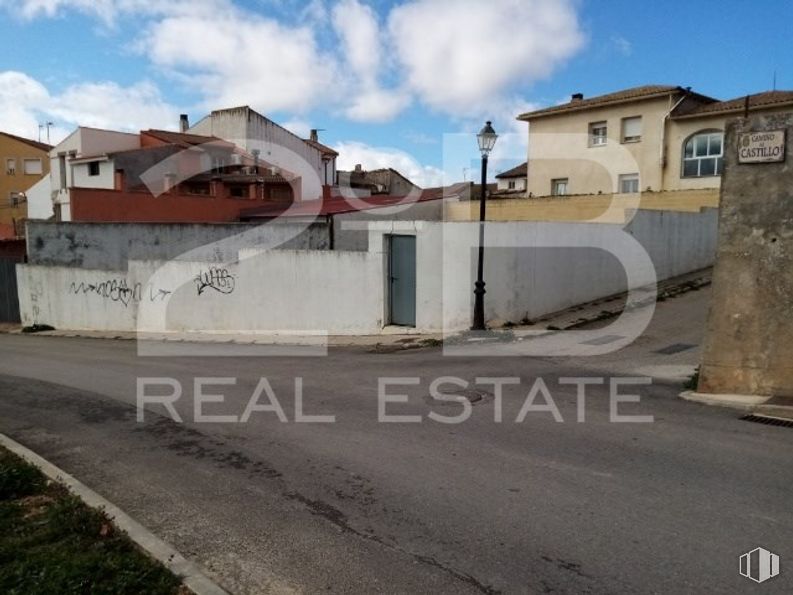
516 172
758 101
624 96
27 141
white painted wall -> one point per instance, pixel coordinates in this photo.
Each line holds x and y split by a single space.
105 179
520 184
40 199
531 269
277 145
341 297
85 142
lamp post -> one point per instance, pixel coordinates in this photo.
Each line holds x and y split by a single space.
487 140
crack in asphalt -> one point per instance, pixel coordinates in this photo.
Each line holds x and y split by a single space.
339 519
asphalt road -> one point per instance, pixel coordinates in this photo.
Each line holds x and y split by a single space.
357 506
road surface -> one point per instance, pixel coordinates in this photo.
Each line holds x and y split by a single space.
357 506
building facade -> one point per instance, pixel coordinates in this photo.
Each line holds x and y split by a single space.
25 163
652 138
512 181
308 159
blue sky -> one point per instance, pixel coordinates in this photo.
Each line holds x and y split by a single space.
386 80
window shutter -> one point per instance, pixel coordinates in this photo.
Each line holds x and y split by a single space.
632 127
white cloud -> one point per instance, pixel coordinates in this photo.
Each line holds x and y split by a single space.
460 55
237 58
108 11
359 32
25 103
21 97
354 153
108 105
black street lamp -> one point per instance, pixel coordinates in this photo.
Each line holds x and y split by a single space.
487 140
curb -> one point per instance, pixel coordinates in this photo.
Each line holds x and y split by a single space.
741 402
191 574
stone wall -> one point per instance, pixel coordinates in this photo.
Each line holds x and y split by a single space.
749 341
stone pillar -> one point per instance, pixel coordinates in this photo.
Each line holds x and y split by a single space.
748 348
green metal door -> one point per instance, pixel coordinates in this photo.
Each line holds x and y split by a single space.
402 276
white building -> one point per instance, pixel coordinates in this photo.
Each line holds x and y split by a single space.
67 171
276 146
513 180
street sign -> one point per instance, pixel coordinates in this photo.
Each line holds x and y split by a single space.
762 147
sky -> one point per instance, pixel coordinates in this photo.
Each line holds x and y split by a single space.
391 84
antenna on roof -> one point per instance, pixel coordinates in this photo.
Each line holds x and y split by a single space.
774 87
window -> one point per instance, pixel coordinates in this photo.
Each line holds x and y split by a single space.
703 154
62 170
93 168
511 184
32 167
559 187
598 132
632 129
11 166
629 183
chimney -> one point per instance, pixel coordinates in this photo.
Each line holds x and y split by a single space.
576 97
184 123
358 168
314 135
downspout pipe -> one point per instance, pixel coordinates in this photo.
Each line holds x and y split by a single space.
662 160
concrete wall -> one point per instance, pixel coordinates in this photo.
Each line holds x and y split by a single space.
531 268
196 296
607 208
748 345
108 246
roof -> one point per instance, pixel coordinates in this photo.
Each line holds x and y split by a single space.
758 101
516 172
624 96
324 149
339 205
27 141
181 138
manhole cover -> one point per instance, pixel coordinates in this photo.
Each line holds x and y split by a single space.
453 396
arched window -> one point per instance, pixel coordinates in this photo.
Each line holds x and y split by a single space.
703 154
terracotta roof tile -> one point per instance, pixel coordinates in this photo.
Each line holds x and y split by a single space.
516 172
27 141
765 100
626 95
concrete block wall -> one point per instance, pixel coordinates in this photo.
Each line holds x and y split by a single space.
109 246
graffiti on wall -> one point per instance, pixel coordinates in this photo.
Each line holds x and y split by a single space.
216 278
119 291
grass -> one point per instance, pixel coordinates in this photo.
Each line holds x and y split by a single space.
50 542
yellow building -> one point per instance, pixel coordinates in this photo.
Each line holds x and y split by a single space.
24 162
653 138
